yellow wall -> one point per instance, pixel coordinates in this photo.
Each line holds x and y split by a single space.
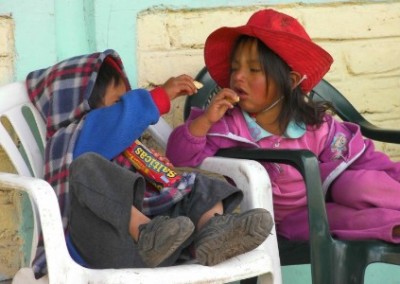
10 241
6 49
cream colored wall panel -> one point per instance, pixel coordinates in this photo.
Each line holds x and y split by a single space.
157 67
152 35
6 70
351 20
6 36
374 57
10 240
6 50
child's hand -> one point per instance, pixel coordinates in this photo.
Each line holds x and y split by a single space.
220 103
179 86
162 159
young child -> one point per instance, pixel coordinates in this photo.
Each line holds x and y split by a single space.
268 67
112 218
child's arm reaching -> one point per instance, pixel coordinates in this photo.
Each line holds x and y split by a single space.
110 130
174 87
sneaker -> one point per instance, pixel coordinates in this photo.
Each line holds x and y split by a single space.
160 238
226 236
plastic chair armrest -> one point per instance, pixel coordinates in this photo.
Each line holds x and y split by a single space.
247 175
379 134
45 206
160 132
251 177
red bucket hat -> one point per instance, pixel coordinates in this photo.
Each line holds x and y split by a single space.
281 33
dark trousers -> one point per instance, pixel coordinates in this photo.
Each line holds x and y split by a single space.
102 195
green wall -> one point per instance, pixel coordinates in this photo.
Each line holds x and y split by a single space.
47 31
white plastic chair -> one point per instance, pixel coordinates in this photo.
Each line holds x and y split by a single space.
26 156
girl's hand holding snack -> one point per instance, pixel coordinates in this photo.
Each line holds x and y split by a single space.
221 102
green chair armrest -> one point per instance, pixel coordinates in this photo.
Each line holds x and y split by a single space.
307 164
324 91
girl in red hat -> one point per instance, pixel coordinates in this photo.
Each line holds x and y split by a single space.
266 68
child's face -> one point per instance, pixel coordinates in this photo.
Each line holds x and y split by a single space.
249 80
113 93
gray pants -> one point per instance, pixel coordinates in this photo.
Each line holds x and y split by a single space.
102 194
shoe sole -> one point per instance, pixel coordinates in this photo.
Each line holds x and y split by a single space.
186 229
242 234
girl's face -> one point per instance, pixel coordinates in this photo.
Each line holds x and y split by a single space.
114 92
249 80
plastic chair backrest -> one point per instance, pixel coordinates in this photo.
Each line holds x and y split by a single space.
204 95
22 131
22 138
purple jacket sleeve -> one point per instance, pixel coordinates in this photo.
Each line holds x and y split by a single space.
184 149
110 130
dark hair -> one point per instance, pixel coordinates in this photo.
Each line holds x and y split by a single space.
296 106
107 74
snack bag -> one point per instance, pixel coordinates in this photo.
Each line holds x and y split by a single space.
155 171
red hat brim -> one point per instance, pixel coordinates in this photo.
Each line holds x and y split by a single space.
302 55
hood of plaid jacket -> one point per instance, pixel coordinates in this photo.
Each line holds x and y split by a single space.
60 93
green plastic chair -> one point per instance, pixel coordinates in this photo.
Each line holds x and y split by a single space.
332 260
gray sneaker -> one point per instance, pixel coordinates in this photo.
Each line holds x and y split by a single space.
226 236
160 238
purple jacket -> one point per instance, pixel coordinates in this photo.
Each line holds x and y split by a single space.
339 146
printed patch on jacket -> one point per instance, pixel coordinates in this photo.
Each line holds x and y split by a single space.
339 146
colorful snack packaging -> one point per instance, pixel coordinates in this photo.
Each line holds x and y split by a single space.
155 171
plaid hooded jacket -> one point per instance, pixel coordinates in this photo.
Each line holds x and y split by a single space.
61 94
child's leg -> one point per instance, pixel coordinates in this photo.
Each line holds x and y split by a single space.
206 197
219 234
159 238
218 209
396 231
229 235
137 219
101 200
360 189
102 218
369 223
347 223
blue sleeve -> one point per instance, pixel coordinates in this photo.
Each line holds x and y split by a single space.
110 130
